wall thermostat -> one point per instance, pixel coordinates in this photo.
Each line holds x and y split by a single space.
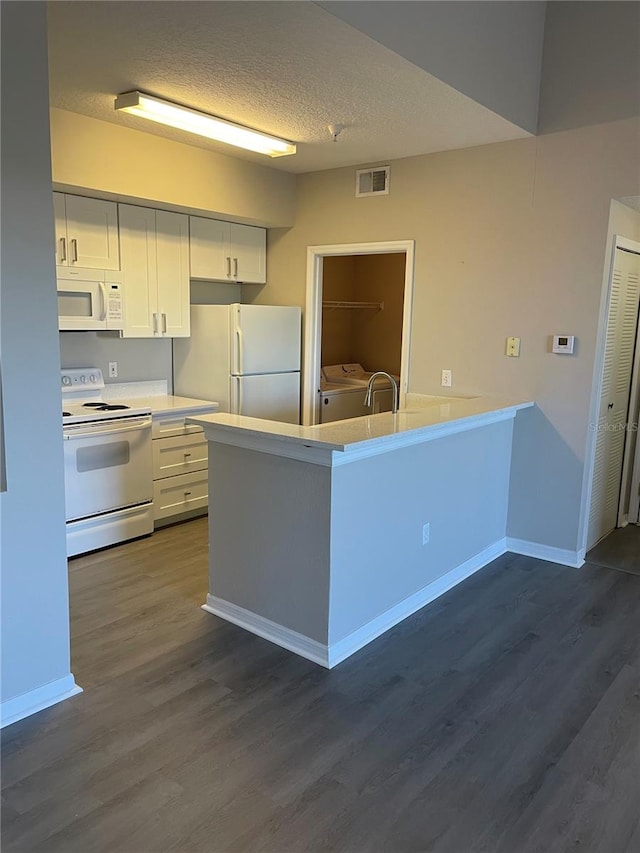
564 344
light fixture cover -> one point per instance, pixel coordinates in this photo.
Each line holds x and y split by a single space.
184 118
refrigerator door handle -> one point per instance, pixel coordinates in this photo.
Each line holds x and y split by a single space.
239 381
239 343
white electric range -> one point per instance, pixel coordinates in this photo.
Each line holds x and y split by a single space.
108 467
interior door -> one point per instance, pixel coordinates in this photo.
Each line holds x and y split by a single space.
613 414
274 398
267 339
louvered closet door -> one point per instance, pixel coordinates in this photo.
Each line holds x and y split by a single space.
614 401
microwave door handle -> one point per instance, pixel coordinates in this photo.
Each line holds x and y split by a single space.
103 297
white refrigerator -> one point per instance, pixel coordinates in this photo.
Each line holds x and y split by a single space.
245 357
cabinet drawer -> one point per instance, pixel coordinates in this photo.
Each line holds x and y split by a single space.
174 495
166 425
179 455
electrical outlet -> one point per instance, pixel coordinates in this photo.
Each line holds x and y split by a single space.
447 379
113 369
426 533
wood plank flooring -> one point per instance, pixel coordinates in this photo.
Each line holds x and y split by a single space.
503 718
619 550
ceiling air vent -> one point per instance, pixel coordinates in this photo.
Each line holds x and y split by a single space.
372 181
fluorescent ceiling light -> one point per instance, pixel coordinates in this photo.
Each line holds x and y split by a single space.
193 121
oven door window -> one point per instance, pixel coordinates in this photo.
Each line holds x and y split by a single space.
99 456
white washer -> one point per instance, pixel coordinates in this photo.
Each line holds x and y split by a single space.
342 400
354 374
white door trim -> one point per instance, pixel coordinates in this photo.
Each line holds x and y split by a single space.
313 313
628 460
618 242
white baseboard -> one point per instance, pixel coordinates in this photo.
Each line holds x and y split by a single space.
355 641
37 700
573 559
278 634
333 654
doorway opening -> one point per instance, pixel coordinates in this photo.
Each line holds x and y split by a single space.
615 483
358 312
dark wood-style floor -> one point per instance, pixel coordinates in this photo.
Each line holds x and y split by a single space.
619 550
504 718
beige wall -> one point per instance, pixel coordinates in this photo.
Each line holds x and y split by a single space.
88 154
510 240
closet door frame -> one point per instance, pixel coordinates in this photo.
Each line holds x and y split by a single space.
617 242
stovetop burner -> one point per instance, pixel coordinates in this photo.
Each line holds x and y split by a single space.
105 407
82 389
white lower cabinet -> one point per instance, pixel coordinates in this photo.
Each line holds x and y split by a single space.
173 496
180 468
179 455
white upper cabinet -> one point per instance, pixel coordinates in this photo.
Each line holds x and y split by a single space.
86 232
209 242
155 269
172 253
249 253
226 251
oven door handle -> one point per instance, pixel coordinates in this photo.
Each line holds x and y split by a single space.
103 429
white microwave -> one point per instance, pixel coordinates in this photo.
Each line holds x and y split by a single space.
89 299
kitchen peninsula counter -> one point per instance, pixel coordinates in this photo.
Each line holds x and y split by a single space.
426 419
324 537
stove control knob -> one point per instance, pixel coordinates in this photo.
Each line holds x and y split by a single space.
83 379
93 377
66 380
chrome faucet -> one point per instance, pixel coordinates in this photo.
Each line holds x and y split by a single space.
372 379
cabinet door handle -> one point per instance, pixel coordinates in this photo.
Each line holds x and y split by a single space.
235 268
74 247
164 323
228 267
155 324
63 249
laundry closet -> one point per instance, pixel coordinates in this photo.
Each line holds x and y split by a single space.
362 318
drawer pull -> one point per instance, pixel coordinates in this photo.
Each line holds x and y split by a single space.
186 494
186 453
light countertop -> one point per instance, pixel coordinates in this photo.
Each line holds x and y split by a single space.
426 418
169 404
158 403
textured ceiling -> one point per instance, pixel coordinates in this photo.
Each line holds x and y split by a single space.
288 68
